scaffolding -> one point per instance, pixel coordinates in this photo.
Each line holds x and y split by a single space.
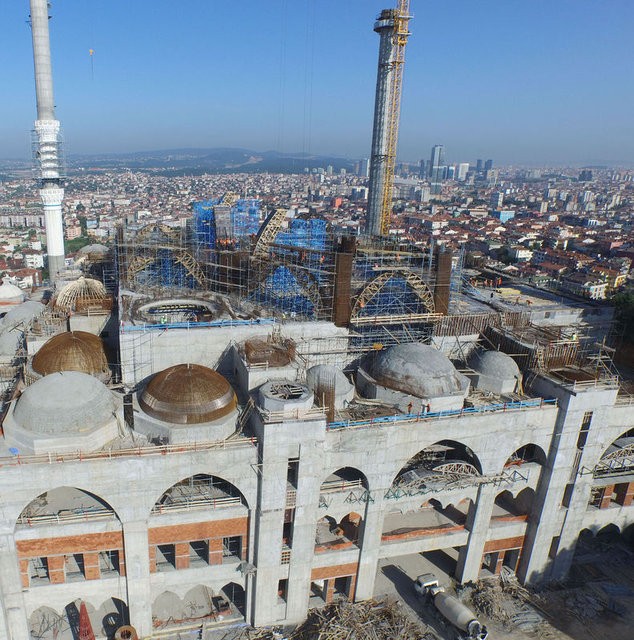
287 270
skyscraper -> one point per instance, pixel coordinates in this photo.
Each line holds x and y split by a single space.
463 169
437 168
488 165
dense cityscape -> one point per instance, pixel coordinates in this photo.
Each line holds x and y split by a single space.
562 229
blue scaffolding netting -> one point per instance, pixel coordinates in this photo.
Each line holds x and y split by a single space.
294 288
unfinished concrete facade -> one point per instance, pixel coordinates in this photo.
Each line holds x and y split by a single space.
295 508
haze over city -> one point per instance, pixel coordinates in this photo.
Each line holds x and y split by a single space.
523 82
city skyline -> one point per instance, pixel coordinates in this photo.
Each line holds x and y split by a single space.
302 78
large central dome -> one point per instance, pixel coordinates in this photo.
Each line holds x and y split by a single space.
188 394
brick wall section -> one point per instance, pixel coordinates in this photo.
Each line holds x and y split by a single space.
606 497
24 573
198 531
44 547
625 493
182 555
337 571
56 569
503 545
91 566
405 534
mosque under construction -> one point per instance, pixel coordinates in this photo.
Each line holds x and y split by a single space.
248 427
245 416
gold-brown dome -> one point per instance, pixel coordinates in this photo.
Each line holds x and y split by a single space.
72 351
188 394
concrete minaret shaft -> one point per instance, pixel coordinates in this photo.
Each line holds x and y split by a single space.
47 129
392 27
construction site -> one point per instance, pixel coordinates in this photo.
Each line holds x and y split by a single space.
251 427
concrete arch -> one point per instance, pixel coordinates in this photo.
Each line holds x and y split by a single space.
618 455
437 454
113 613
167 608
60 507
45 623
234 490
347 475
235 594
529 452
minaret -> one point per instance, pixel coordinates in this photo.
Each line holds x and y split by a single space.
47 139
392 27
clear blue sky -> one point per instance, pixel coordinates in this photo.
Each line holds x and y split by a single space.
520 81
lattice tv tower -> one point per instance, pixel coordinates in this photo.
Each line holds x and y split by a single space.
46 140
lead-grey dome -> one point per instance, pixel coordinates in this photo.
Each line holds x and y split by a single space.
418 370
495 364
64 403
320 377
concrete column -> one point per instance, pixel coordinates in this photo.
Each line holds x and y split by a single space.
478 521
370 546
137 560
13 618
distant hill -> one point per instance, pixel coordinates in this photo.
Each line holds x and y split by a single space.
216 160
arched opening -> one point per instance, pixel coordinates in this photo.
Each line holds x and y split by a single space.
508 507
611 485
442 464
91 556
200 491
113 614
46 624
430 517
214 545
332 535
65 505
344 479
234 595
527 454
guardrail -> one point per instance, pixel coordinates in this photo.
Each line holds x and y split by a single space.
125 327
66 517
169 449
196 503
450 413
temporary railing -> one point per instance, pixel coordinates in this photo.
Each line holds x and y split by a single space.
169 449
66 517
449 413
186 504
334 486
195 325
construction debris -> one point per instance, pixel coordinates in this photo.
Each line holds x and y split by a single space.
370 620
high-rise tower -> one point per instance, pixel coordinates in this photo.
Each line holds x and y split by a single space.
47 139
392 27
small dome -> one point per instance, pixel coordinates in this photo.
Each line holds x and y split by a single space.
93 248
188 394
418 370
64 403
10 293
494 364
81 291
22 314
320 377
72 351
